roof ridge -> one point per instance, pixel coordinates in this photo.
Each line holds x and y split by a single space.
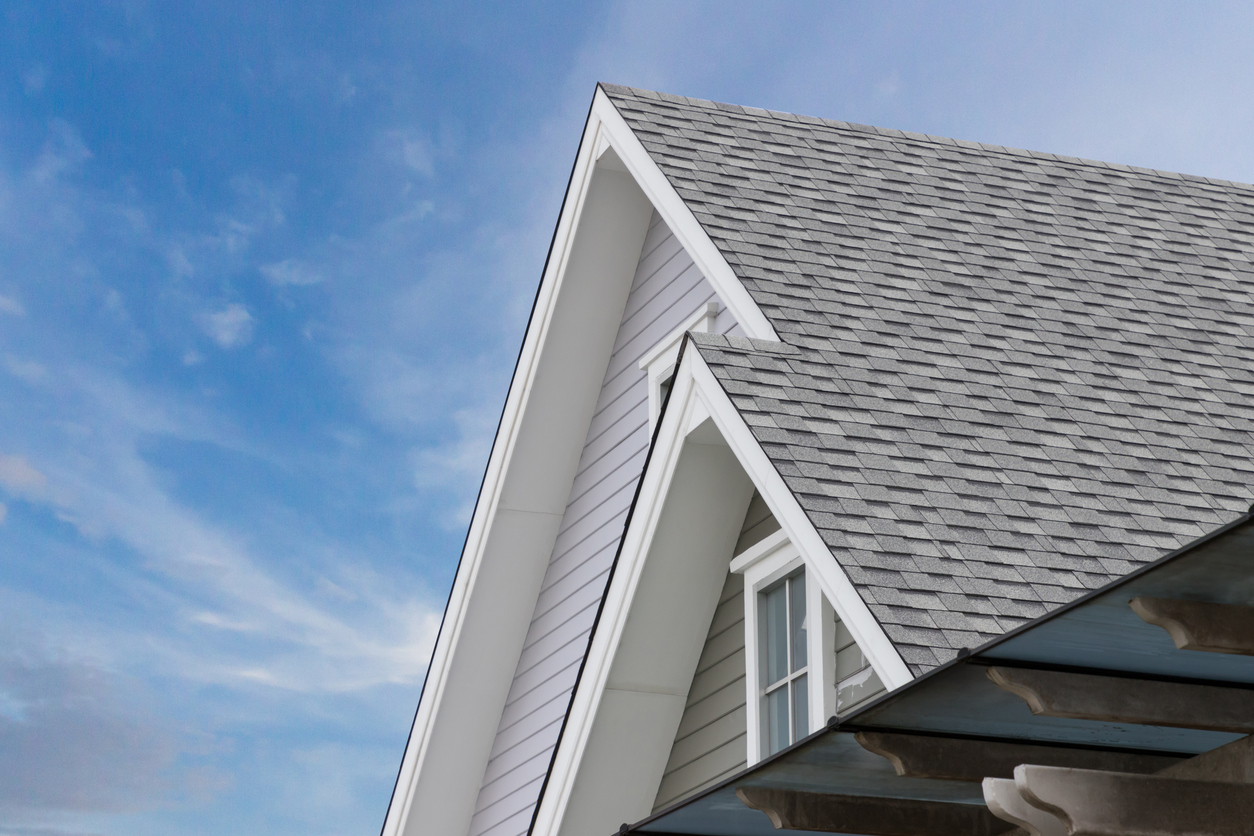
836 124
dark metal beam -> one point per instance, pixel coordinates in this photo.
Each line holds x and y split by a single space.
1113 699
871 815
965 759
1197 625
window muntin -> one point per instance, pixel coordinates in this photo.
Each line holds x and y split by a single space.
784 663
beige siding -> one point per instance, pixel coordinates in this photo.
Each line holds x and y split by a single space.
759 524
856 682
710 743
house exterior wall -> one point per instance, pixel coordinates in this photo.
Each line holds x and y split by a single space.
710 743
759 524
666 290
856 681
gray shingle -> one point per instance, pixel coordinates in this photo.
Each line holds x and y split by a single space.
1006 378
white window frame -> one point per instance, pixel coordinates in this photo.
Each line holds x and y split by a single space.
763 564
659 362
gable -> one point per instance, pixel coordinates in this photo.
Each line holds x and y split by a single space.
643 669
527 486
665 292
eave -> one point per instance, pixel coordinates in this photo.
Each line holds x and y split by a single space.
1097 635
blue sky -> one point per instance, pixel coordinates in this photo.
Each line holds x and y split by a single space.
264 269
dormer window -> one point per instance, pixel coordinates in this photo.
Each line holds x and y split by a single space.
789 633
660 361
803 664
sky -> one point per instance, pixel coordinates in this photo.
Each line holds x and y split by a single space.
264 272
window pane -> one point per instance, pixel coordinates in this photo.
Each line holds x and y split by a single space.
775 634
777 720
797 592
801 707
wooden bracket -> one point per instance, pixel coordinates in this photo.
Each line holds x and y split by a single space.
1198 625
870 815
966 759
1113 699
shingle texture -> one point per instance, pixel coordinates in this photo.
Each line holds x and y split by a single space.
1007 377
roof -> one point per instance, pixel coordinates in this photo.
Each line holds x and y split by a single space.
1007 377
1096 634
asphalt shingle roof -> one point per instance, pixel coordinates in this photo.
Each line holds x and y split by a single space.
1006 378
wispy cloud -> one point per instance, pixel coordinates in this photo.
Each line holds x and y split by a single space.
210 577
230 327
18 477
31 371
289 271
9 305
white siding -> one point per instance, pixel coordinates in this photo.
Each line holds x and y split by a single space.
667 289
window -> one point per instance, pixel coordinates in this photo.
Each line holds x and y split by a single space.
784 706
801 660
789 655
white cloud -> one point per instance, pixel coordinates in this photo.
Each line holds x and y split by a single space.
9 305
4 513
230 327
63 151
290 272
889 86
17 475
29 370
212 582
416 153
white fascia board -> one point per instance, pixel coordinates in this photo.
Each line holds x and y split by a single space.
695 393
685 226
432 705
836 585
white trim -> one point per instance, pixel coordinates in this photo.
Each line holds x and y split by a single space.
506 592
763 564
793 521
760 550
695 388
685 226
659 362
761 568
604 131
429 705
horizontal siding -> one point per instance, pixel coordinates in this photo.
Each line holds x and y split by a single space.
710 742
856 681
667 289
759 524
